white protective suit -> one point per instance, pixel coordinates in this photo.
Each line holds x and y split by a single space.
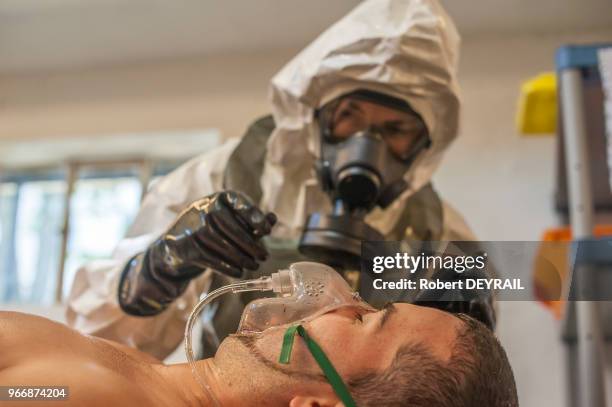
404 48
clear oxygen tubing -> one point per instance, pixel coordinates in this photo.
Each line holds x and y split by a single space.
260 284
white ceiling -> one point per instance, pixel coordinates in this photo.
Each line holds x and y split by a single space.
41 35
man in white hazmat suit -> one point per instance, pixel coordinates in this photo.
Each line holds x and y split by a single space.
386 71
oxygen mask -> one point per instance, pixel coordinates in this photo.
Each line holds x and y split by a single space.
302 292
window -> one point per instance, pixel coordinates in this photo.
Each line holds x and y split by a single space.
103 202
37 239
44 240
101 210
8 207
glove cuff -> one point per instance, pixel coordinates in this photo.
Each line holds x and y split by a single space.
144 292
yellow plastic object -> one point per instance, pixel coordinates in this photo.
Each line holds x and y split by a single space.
537 112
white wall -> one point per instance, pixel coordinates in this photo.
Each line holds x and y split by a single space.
222 92
503 184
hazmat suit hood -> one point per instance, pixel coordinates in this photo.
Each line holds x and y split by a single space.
403 48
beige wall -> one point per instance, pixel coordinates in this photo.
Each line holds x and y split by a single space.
503 184
227 92
513 174
224 92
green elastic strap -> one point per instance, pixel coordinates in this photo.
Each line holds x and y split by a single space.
317 353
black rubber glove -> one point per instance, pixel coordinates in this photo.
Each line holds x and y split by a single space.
478 305
222 231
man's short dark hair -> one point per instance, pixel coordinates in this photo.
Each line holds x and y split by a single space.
477 374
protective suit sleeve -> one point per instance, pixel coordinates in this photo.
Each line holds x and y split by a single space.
455 228
92 303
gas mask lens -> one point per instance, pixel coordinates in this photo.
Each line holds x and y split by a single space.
402 129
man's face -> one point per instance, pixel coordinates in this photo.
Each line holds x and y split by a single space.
357 340
400 129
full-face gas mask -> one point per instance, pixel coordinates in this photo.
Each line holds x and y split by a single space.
364 157
304 291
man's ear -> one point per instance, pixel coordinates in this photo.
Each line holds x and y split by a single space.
311 401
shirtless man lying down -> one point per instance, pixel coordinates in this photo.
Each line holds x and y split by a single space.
403 355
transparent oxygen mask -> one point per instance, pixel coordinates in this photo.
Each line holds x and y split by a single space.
303 291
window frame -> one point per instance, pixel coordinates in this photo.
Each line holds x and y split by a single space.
73 171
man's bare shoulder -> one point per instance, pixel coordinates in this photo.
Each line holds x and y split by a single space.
41 352
19 329
15 327
26 337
